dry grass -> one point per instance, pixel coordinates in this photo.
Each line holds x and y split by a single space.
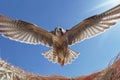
9 72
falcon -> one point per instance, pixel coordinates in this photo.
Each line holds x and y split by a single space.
59 39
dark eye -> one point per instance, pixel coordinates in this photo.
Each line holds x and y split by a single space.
60 29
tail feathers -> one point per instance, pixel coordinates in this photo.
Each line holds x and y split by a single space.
72 55
56 59
51 56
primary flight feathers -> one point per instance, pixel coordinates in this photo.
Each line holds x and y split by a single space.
93 25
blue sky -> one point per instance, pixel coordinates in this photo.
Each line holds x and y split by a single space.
95 53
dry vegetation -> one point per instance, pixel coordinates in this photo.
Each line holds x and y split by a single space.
9 72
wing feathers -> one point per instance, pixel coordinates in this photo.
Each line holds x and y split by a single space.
111 18
108 23
24 32
93 25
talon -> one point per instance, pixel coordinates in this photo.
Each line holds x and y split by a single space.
59 60
63 62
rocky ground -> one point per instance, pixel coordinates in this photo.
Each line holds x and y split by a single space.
9 72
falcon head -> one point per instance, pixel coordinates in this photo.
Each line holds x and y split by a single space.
59 31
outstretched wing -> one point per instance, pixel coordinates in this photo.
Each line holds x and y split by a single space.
24 32
93 25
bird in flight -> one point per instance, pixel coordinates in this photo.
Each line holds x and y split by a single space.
59 39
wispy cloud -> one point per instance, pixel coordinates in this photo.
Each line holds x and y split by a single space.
106 3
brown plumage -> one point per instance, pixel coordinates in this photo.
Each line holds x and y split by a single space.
59 39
